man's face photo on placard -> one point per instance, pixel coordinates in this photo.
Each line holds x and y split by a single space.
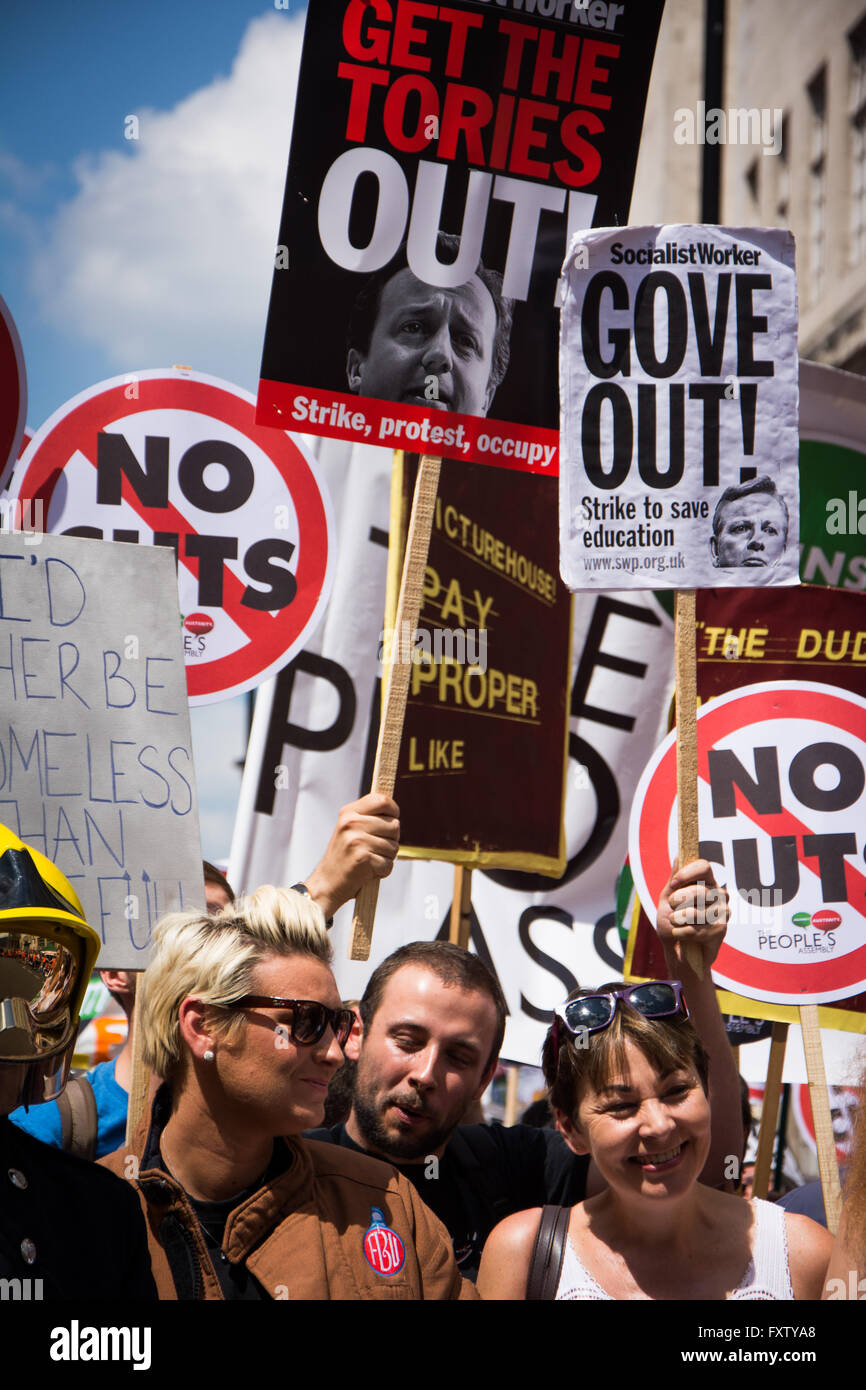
430 346
750 526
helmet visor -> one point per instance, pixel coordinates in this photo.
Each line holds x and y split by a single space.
39 977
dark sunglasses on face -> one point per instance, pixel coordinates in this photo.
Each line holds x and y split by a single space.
592 1012
309 1018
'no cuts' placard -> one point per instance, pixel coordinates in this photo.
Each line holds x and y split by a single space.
175 459
678 384
782 791
96 765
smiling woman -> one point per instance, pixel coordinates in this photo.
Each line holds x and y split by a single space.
242 1020
628 1083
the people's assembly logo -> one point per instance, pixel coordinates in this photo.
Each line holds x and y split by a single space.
196 626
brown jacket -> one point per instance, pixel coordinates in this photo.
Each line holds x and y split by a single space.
305 1235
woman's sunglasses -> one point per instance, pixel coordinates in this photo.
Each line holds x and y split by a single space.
309 1018
592 1012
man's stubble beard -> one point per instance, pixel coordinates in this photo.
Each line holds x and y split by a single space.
403 1148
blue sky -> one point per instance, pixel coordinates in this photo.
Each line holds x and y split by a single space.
121 254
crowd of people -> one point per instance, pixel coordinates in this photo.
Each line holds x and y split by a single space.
233 1188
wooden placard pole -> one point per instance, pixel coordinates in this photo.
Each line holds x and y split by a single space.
461 907
770 1111
512 1102
687 742
397 676
139 1081
828 1166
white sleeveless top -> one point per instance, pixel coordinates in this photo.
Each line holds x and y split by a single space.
767 1277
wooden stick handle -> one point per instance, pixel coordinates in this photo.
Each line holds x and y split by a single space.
461 907
397 673
687 744
770 1111
828 1165
139 1081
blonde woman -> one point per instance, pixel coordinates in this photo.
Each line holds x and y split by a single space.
242 1020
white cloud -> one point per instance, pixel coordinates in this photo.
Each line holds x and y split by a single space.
166 252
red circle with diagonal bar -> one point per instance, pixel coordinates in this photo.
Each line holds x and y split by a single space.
765 954
176 458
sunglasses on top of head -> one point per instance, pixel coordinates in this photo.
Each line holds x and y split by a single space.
593 1012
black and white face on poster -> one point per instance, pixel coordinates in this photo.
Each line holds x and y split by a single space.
442 156
678 381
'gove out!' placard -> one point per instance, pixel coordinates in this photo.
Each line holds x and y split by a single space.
678 383
96 764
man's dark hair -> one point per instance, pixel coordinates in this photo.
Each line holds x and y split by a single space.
365 310
453 966
733 494
213 875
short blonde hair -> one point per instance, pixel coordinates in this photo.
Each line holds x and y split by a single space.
214 958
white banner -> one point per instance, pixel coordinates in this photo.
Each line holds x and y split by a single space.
312 733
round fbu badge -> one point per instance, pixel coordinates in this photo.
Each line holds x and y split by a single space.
383 1248
781 810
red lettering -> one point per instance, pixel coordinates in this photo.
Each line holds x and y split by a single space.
547 63
376 50
590 159
466 111
502 131
589 72
460 25
518 35
363 81
527 138
395 113
405 34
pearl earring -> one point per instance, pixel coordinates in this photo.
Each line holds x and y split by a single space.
209 1055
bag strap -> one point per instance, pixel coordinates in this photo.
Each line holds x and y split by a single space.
548 1253
79 1122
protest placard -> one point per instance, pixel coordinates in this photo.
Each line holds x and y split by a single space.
96 767
781 787
441 158
481 774
679 409
175 459
13 392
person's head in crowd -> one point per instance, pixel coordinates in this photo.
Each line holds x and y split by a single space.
595 1068
750 526
434 1018
538 1115
430 346
218 892
213 1026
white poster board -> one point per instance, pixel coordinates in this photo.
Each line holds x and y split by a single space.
96 765
678 388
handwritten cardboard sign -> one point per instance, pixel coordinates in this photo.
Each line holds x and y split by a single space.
96 763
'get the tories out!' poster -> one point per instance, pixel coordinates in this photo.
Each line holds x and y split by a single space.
442 157
679 409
